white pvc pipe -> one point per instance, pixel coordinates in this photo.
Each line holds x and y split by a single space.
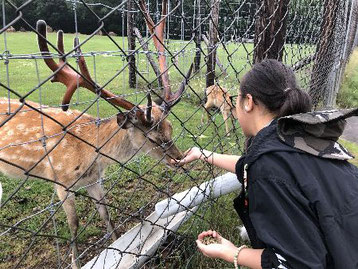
137 245
187 199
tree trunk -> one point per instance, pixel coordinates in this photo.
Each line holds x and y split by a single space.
270 30
213 39
131 44
217 61
197 39
324 60
352 28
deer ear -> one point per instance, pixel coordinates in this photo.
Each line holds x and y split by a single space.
123 120
127 120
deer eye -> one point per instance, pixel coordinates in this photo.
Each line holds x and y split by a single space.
167 143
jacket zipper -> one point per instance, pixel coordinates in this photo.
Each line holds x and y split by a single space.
246 195
246 167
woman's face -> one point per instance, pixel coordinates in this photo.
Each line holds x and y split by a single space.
242 115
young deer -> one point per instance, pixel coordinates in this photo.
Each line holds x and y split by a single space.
73 149
220 98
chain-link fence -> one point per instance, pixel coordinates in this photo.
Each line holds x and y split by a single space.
81 180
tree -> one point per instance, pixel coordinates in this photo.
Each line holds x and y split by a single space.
131 44
213 39
270 29
324 60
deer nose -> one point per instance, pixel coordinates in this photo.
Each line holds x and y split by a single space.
175 153
180 156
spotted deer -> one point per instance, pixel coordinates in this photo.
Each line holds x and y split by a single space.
73 149
218 97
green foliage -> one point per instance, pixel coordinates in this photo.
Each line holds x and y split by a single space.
133 189
352 148
128 194
348 95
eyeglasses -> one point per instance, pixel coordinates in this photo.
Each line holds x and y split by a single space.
233 99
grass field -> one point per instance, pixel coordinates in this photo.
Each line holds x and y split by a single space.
40 239
348 95
30 208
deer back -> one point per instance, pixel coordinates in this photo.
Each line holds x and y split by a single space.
36 143
219 97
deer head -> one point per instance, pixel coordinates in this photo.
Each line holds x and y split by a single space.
147 125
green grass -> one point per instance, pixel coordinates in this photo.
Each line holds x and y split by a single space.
348 95
352 148
32 205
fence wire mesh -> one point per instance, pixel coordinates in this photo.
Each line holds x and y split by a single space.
75 181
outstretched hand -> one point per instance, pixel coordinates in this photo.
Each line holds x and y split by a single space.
190 155
223 249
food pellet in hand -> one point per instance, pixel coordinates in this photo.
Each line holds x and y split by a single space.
210 240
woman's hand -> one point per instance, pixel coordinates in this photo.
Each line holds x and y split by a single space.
189 156
224 249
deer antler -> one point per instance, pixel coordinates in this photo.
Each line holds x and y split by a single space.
157 32
64 74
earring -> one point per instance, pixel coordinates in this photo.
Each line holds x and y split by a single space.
246 108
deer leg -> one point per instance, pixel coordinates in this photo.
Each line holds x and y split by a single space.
68 205
226 121
232 122
96 192
207 106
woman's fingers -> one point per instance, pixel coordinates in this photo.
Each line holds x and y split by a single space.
203 248
187 158
199 244
187 151
204 234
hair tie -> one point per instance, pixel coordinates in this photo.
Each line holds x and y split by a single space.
287 89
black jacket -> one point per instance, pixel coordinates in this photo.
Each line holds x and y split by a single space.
302 206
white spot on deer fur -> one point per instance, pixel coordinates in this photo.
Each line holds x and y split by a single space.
26 146
7 102
20 126
51 143
11 132
38 147
64 143
25 159
33 129
58 167
4 138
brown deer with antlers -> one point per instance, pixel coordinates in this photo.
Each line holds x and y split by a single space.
73 149
219 97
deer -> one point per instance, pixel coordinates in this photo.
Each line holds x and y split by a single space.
72 149
219 97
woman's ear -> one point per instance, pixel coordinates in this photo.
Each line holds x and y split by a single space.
248 103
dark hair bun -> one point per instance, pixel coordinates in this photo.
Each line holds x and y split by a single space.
274 85
296 101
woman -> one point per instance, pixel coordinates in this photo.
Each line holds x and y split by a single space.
299 201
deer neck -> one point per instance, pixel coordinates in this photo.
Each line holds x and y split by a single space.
114 143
